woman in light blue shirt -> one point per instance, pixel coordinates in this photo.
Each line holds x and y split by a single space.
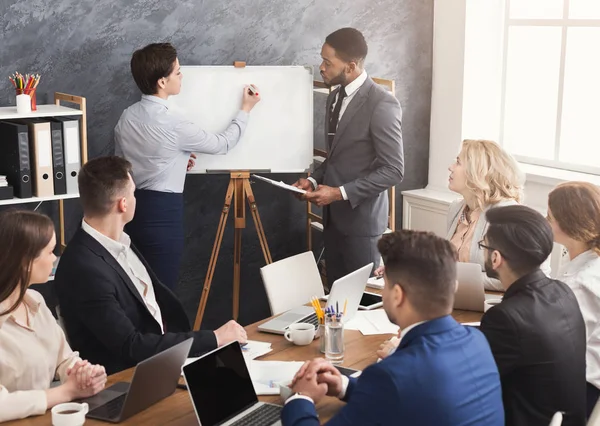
160 146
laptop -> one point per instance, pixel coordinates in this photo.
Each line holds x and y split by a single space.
153 379
470 294
349 287
222 393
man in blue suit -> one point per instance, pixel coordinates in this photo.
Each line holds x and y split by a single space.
442 374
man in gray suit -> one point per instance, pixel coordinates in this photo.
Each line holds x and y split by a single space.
365 157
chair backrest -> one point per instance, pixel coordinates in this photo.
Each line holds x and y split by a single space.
291 282
594 419
556 419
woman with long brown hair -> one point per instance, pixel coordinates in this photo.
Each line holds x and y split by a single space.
574 214
33 348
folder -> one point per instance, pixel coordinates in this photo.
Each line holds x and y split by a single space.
58 159
40 148
14 157
71 151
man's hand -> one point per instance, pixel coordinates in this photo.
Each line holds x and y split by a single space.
311 388
379 271
249 100
324 372
230 332
324 195
191 162
304 184
386 347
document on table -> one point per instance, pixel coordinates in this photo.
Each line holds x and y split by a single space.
372 322
267 375
376 282
280 184
252 350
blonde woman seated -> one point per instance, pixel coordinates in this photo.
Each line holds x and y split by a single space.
487 177
574 214
33 348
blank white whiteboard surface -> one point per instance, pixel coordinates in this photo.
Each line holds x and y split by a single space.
279 135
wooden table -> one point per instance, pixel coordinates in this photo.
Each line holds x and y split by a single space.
177 409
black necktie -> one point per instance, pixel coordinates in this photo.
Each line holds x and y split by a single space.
335 115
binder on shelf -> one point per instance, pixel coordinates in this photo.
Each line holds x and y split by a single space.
58 159
71 151
40 148
14 157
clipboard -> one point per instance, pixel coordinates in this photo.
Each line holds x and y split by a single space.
280 184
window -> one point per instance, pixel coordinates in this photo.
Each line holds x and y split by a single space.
550 97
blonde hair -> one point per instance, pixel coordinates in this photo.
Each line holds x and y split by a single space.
492 174
575 206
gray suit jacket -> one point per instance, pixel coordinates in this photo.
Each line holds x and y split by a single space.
366 158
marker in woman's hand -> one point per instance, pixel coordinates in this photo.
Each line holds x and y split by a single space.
252 90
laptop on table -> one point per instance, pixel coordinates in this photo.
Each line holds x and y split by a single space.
153 379
222 393
470 294
350 287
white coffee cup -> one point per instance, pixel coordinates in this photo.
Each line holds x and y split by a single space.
301 333
69 414
490 303
23 104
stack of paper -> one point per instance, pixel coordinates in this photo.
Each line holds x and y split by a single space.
3 181
376 282
253 349
268 375
372 322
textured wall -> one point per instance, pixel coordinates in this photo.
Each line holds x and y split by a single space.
83 47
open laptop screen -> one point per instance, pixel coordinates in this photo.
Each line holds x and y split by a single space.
220 385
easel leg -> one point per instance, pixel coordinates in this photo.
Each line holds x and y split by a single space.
214 256
240 224
259 228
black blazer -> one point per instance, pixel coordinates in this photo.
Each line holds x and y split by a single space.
538 339
105 317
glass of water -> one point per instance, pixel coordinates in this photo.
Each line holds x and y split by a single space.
334 339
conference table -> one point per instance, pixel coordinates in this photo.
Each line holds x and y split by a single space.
177 409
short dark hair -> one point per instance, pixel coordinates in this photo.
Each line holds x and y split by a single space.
521 235
349 45
424 265
152 63
100 181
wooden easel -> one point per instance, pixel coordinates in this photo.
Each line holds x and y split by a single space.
239 187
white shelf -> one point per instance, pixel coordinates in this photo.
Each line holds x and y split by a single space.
37 199
10 112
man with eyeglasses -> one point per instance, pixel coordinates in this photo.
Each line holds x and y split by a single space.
537 334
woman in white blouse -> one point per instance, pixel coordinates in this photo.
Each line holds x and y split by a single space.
33 348
574 214
486 176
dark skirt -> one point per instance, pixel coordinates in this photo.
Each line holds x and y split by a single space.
157 232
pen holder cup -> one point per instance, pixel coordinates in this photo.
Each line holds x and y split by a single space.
32 95
334 339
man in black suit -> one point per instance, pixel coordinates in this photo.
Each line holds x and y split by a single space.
116 311
537 333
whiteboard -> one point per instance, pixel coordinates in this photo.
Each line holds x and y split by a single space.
279 135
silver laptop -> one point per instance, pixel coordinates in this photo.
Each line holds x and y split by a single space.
153 379
470 294
350 287
222 393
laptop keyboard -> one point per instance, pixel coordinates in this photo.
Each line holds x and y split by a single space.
263 416
112 408
312 319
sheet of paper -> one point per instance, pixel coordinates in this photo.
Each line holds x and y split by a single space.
375 282
372 322
472 324
266 375
280 184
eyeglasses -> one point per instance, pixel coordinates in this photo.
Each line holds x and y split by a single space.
483 246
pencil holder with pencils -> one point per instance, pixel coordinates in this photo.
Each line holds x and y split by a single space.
25 85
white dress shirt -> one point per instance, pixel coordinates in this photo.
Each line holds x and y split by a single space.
351 90
582 274
132 265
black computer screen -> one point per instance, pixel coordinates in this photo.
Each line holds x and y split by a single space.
220 385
